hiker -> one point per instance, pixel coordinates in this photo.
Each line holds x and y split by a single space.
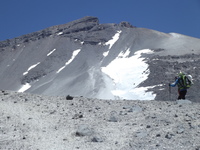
183 82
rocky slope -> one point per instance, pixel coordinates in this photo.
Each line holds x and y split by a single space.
38 122
69 59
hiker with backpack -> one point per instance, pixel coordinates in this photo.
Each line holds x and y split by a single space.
183 82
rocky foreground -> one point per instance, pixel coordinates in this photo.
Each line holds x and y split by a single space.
35 122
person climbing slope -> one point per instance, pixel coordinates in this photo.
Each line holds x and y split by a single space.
183 82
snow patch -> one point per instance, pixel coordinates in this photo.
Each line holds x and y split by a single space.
124 54
31 67
127 73
113 40
150 87
75 53
105 53
176 35
60 33
51 52
24 87
141 94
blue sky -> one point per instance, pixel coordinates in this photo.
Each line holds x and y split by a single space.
19 17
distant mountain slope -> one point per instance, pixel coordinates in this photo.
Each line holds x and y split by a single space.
106 61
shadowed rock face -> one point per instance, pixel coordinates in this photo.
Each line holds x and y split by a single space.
68 59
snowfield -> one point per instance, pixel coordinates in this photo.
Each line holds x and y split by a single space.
38 122
127 73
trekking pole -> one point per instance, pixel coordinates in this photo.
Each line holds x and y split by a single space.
170 98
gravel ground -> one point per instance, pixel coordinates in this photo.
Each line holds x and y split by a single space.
35 122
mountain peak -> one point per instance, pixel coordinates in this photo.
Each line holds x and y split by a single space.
79 23
126 24
86 29
88 19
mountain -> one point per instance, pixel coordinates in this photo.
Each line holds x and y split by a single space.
104 61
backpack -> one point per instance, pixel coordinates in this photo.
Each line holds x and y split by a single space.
185 81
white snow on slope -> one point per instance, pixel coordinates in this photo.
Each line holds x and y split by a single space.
31 67
127 73
176 35
24 87
124 55
75 53
51 52
113 40
105 53
60 33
